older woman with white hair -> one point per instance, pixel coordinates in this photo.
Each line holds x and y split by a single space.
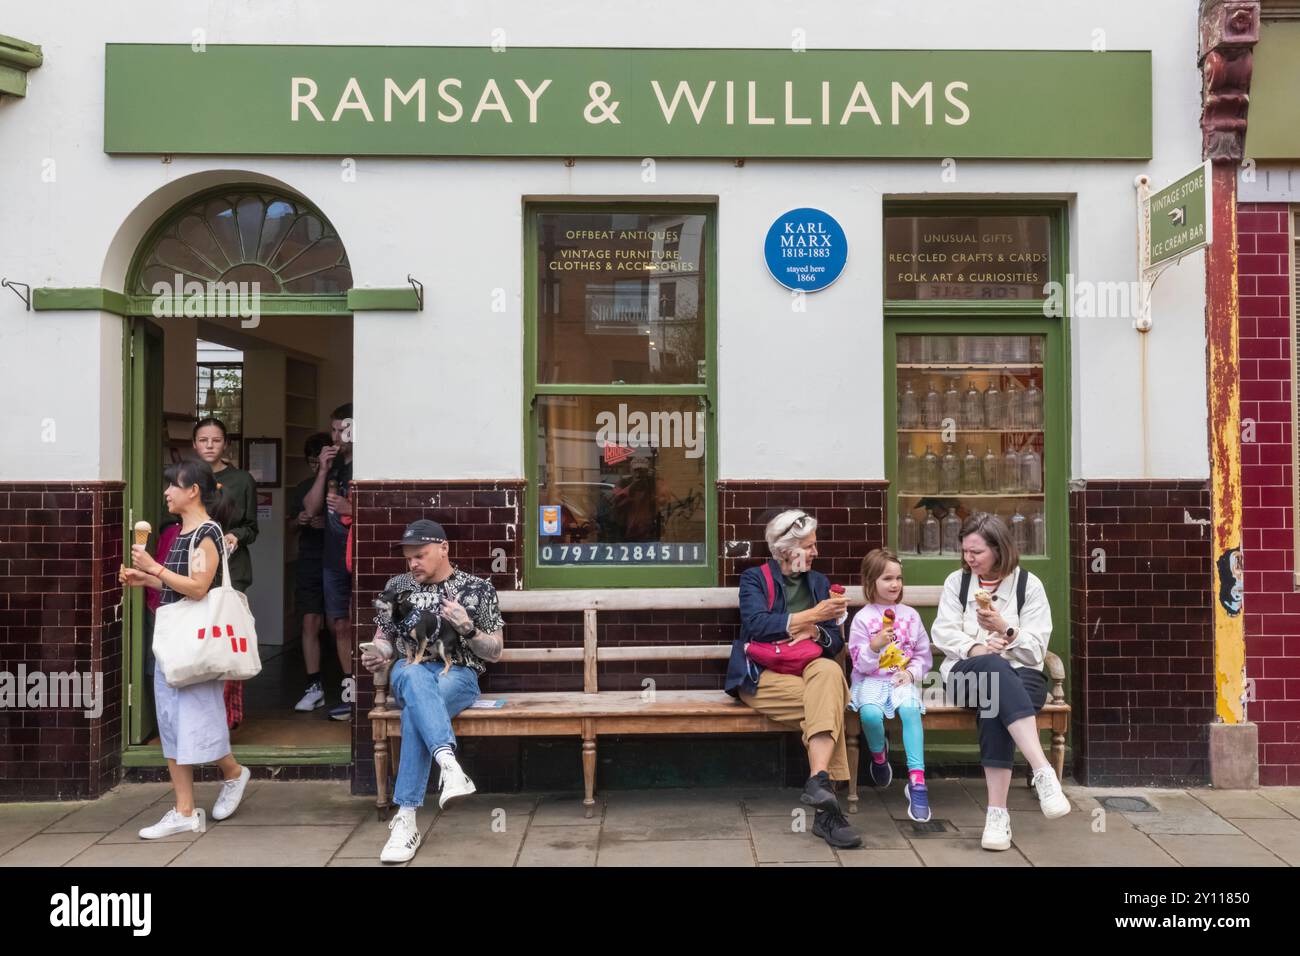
784 604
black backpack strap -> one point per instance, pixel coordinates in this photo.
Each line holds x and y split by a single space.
1022 584
965 588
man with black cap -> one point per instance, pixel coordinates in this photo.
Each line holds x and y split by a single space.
429 697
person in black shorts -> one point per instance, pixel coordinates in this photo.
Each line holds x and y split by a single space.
309 585
330 495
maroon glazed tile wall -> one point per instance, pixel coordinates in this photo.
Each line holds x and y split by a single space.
60 611
1141 635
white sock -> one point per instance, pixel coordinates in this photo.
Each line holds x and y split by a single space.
446 758
407 812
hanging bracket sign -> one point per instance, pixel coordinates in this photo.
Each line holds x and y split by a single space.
805 249
1172 222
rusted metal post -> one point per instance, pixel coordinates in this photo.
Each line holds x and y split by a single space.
1229 30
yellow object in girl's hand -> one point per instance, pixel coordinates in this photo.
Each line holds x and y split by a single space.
892 656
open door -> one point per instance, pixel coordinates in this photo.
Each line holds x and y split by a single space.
143 501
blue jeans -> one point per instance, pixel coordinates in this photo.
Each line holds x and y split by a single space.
429 702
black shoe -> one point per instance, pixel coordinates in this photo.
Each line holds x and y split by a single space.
882 774
819 793
833 827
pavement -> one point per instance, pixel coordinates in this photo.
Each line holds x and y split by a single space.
322 824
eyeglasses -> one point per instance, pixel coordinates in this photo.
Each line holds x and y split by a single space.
799 526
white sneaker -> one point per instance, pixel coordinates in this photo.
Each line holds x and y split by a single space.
453 782
997 829
314 698
171 824
1053 802
401 846
232 791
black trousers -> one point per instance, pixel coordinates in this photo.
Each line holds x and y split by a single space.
1000 694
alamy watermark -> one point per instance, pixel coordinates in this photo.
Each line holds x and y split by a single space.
194 299
58 690
651 430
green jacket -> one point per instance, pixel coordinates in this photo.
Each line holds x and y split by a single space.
238 486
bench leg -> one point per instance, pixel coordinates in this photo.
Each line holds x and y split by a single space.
381 769
589 772
1058 754
851 745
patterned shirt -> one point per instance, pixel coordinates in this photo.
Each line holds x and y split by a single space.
477 596
178 558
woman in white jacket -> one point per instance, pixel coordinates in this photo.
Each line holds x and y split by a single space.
993 659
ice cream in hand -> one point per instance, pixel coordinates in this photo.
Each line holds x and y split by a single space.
142 531
983 600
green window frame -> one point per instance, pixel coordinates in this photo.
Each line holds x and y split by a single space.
537 575
994 317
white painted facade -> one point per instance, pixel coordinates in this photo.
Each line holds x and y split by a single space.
457 226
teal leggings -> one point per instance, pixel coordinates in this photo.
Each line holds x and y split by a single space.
873 725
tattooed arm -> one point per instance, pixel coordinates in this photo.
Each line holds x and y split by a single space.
487 646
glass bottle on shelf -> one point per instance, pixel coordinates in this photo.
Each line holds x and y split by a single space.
1000 348
911 472
950 472
1018 349
944 348
929 473
909 410
981 350
1013 414
993 405
907 534
1010 477
933 407
952 402
930 534
972 408
971 477
964 349
1031 472
1038 533
1036 349
1033 405
1019 531
989 470
949 533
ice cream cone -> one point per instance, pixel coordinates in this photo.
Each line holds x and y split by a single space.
141 532
983 600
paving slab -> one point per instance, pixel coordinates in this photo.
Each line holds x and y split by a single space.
965 853
1176 812
675 815
560 846
470 846
1279 837
111 810
1288 798
878 858
644 853
1073 840
1240 804
775 803
20 821
566 810
225 845
775 841
1213 850
140 853
358 861
308 803
949 800
55 849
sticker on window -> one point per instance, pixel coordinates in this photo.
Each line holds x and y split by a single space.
550 519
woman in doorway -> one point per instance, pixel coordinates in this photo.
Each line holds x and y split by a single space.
239 489
784 601
993 626
192 719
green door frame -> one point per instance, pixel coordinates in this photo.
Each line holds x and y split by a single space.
1001 317
705 575
142 358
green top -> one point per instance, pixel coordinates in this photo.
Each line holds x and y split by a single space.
798 595
239 486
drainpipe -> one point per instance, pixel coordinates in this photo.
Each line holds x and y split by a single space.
1229 30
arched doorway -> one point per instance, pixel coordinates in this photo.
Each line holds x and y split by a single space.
238 309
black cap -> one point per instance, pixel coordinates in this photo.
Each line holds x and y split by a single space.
421 532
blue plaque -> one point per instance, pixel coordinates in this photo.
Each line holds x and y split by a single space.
806 249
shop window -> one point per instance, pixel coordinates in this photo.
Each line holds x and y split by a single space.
621 452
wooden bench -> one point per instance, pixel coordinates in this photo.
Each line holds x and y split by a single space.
592 713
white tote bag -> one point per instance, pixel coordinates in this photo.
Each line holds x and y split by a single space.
208 639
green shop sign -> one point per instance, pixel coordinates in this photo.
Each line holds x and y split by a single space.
1177 220
471 101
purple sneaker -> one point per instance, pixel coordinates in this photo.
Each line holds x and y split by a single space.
882 775
918 802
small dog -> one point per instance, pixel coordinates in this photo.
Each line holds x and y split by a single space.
419 613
